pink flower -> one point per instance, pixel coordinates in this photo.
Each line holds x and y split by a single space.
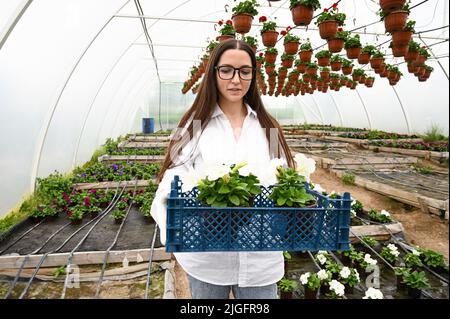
87 201
69 213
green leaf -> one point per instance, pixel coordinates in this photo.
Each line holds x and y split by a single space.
281 201
224 189
211 200
234 199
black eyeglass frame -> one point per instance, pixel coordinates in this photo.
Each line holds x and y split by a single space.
217 68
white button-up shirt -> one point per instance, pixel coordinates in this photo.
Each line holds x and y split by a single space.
217 143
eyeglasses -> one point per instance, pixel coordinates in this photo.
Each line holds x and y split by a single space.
227 72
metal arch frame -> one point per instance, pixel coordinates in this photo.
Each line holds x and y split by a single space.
120 115
341 119
112 99
308 107
12 22
405 115
317 106
365 109
301 108
49 117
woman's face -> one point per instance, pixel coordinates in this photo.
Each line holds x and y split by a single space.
233 89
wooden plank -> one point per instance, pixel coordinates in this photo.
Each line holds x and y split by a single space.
84 258
113 185
378 232
316 145
133 158
154 138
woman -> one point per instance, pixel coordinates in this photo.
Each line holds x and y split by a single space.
227 123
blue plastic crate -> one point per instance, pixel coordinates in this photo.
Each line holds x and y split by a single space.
194 227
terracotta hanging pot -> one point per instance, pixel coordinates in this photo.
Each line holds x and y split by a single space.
395 21
269 69
369 82
302 15
301 68
328 29
364 58
242 23
291 47
399 51
335 45
375 63
391 5
411 56
384 73
222 38
362 79
353 53
311 71
420 60
336 66
412 68
400 38
349 84
325 75
306 78
287 63
269 38
270 57
305 56
346 70
356 78
325 61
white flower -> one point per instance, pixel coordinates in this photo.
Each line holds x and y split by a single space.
393 249
267 171
321 258
373 293
353 202
345 272
368 259
415 252
337 287
214 170
332 193
385 213
322 274
305 166
304 278
352 213
319 189
191 179
322 252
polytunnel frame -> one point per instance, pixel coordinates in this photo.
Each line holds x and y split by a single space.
19 13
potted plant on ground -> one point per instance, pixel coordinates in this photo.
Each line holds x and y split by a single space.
287 287
306 52
118 215
336 62
347 67
303 11
373 293
323 57
336 290
243 15
287 60
268 32
291 43
412 260
349 277
432 259
311 284
227 31
401 273
336 43
76 213
329 21
353 46
416 282
391 254
381 217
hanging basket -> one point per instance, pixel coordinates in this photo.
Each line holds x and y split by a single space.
325 61
411 56
311 71
325 76
270 57
301 68
328 29
364 58
335 45
336 66
346 70
353 53
391 5
222 38
287 63
242 23
399 51
400 38
305 56
302 15
269 38
412 68
420 60
376 63
395 21
291 47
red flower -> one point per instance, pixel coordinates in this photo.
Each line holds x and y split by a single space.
229 22
340 29
288 29
335 5
283 33
325 10
220 22
69 213
262 19
87 201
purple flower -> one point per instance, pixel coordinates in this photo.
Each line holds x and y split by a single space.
114 167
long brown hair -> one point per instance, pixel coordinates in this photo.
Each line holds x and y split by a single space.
206 100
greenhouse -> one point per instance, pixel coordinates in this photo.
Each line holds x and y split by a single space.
242 149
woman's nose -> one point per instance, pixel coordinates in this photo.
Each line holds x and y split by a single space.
235 78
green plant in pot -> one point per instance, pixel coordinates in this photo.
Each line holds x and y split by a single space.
416 282
243 15
287 287
311 284
401 273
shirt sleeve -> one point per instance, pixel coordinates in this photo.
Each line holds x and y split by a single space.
159 205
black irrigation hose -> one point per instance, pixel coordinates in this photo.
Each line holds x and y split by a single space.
23 235
68 265
150 260
41 261
100 279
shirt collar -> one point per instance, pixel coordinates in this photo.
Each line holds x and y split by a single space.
218 111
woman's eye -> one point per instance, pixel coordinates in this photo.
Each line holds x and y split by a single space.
226 70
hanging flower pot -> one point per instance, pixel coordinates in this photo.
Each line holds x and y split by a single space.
222 38
395 21
391 5
311 69
401 38
411 68
323 61
269 38
271 55
346 70
369 82
353 53
306 78
286 61
399 51
305 56
376 62
301 67
335 45
325 75
364 58
336 63
328 29
362 79
301 14
384 73
242 22
411 56
291 42
269 67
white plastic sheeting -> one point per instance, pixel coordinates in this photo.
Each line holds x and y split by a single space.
75 72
